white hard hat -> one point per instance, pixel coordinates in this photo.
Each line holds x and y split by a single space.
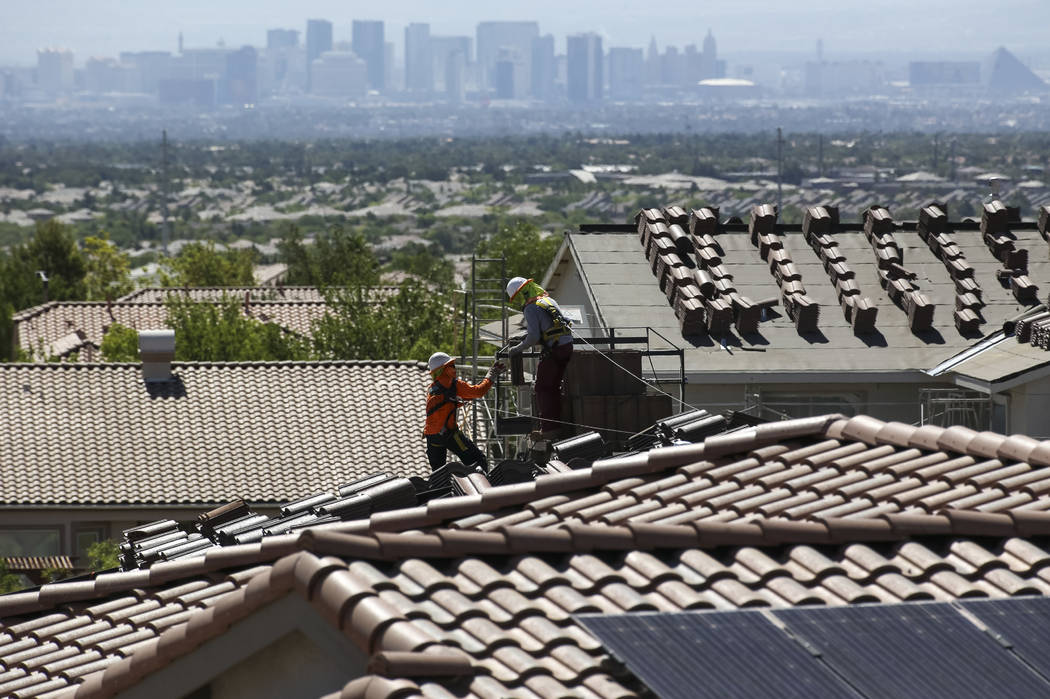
514 286
438 360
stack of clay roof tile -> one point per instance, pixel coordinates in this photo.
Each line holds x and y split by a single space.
817 225
688 265
995 223
932 228
895 278
476 595
803 310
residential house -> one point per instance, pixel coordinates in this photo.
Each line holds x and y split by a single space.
913 321
525 589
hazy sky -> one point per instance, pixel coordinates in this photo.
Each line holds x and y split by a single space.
950 27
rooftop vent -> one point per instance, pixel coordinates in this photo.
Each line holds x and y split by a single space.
157 350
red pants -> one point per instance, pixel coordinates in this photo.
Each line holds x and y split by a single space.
548 385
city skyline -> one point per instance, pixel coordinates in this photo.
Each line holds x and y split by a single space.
938 27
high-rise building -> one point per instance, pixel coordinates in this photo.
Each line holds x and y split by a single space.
713 68
318 41
339 74
543 67
107 75
444 49
241 79
282 38
652 63
455 76
505 78
672 70
585 78
54 70
497 41
626 73
368 43
419 62
150 67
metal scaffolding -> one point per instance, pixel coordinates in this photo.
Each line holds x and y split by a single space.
485 303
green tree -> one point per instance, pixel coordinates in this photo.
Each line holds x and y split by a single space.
412 323
200 264
220 332
527 252
51 250
120 344
336 258
108 269
421 261
9 582
7 330
103 555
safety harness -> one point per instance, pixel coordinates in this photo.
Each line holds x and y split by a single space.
559 324
448 395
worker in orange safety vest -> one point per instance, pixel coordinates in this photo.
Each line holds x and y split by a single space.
444 398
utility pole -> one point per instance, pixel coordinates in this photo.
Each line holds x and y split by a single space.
936 144
951 157
780 167
820 153
166 227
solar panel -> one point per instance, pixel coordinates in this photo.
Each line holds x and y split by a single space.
730 655
913 651
1023 624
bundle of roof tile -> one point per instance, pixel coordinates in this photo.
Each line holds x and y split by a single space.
894 277
995 222
235 523
933 229
817 224
687 262
803 310
1024 327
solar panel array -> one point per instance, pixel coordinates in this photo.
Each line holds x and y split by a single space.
978 649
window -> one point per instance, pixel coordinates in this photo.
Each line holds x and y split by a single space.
83 538
31 542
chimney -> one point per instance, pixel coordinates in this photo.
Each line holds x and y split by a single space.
157 350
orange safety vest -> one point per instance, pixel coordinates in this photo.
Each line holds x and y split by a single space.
443 398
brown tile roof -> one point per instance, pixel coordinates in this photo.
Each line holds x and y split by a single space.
45 331
475 595
496 607
159 294
267 431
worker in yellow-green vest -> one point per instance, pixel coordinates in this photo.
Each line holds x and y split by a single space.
547 326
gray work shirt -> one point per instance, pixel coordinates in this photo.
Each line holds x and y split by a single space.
538 321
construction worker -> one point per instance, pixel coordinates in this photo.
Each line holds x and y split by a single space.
548 326
444 397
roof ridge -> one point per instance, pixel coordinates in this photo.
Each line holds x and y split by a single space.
126 365
522 540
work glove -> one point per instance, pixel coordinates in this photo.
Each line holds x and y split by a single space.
495 371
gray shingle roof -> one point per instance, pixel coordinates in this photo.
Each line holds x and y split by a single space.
628 295
267 431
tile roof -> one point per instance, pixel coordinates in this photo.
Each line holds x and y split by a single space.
475 595
923 291
158 294
48 330
263 431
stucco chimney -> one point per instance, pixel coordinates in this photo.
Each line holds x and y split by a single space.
157 350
